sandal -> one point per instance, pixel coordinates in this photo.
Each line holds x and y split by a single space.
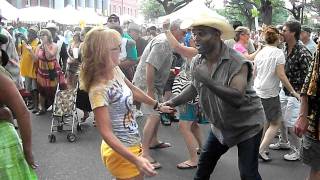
186 165
161 145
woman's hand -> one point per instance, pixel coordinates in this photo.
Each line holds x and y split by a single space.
29 157
145 166
166 108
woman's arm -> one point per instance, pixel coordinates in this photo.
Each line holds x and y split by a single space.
10 97
285 81
104 126
252 55
140 96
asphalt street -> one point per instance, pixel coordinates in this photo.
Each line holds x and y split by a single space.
81 160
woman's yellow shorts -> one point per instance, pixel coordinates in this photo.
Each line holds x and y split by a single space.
118 166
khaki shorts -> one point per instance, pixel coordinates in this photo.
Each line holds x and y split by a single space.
147 109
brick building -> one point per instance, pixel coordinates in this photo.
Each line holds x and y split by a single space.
124 7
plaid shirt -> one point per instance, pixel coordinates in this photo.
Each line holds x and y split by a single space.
296 67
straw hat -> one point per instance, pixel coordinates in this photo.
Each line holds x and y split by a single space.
51 25
210 19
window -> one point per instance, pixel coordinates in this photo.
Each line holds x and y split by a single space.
114 9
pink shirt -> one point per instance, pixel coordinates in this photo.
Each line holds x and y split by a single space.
240 48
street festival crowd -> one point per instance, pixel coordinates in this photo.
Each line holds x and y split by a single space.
249 86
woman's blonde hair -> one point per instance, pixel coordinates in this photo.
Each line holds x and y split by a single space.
95 54
47 33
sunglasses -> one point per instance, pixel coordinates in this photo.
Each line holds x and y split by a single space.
112 20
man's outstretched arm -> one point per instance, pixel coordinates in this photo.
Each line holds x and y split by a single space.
186 95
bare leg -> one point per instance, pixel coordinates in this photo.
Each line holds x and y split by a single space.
41 102
191 142
269 135
148 133
197 133
154 140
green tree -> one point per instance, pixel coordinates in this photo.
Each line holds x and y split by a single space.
266 9
314 5
152 9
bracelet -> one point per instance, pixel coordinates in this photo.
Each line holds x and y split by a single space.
156 106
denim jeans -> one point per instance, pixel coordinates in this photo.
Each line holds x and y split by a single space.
248 152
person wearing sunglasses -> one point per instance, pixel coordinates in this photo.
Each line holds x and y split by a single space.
242 38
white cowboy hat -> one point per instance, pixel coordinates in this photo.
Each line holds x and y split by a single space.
210 19
51 25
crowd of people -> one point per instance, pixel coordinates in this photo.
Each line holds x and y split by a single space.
249 86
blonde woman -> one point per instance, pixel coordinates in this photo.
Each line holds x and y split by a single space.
111 96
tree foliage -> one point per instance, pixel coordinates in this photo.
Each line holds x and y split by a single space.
155 8
314 5
244 11
297 6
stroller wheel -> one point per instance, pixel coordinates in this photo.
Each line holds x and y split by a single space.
79 128
52 138
71 137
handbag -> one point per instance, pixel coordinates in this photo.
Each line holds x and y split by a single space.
52 73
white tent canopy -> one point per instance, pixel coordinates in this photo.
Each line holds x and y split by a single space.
69 15
36 14
89 16
8 11
194 8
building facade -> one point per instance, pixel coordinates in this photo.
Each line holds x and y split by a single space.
124 7
106 7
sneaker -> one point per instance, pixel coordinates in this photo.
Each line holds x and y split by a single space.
280 145
293 156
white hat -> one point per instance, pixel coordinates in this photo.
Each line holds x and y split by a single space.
210 19
51 25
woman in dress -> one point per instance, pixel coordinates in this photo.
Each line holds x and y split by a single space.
48 72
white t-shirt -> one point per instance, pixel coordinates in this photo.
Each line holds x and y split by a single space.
267 82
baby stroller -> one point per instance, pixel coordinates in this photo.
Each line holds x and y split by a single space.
64 114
